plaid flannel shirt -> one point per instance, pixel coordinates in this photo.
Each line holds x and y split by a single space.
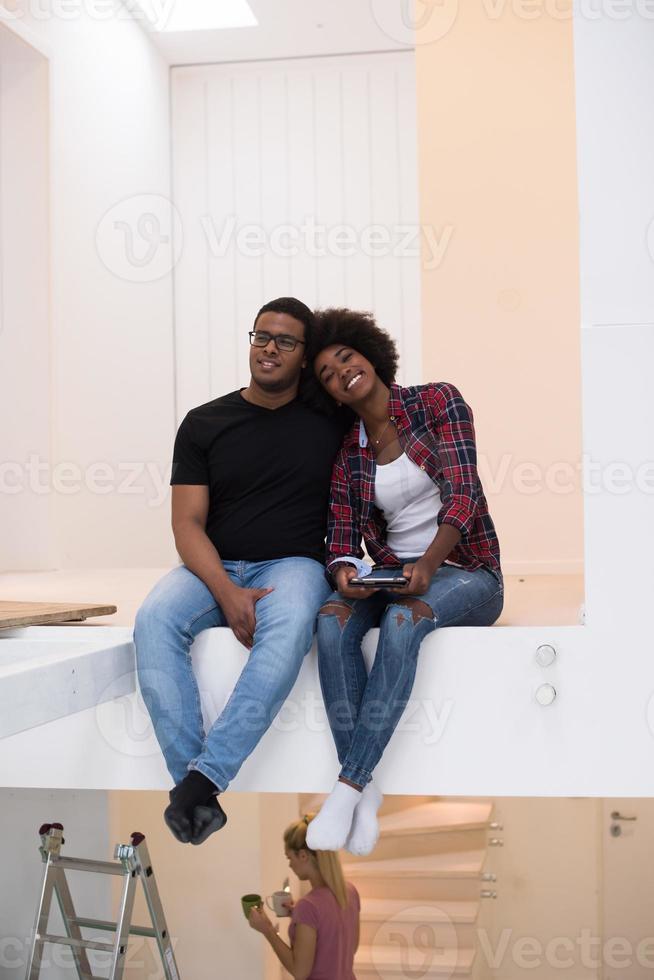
436 430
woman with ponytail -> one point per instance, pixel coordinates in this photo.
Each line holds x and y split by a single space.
324 929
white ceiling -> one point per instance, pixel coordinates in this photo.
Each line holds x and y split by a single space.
291 29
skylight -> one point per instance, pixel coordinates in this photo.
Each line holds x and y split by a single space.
197 15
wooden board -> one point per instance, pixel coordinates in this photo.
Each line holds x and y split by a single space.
38 613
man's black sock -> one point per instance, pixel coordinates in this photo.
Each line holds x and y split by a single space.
207 818
195 789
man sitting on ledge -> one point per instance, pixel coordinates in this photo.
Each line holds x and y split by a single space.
250 478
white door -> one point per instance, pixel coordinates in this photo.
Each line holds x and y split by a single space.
628 889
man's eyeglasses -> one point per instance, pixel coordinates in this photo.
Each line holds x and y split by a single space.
259 338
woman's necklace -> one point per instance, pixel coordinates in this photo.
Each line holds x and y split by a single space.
377 441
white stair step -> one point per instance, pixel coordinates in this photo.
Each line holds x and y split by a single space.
413 922
437 817
455 864
402 910
390 961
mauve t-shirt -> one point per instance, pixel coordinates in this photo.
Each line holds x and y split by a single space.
336 930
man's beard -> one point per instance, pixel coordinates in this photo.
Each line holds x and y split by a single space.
274 387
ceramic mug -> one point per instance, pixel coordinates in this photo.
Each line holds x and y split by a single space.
249 902
278 907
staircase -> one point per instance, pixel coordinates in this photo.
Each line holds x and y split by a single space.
423 894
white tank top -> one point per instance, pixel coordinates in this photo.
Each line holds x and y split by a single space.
410 501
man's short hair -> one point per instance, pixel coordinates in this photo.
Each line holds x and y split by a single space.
292 307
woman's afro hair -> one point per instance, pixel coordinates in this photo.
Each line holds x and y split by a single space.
348 328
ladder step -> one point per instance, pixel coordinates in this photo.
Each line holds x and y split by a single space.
106 926
77 943
95 867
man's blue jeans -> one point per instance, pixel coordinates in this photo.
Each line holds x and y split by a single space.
178 608
364 710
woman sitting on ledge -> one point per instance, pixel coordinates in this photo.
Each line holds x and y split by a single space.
406 481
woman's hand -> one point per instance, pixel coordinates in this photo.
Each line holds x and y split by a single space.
289 903
342 576
260 922
419 575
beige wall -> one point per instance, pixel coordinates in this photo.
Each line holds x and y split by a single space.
496 130
201 886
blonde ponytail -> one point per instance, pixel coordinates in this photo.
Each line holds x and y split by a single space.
329 865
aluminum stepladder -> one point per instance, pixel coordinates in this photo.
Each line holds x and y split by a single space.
133 862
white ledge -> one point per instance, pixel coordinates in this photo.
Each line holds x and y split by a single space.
473 726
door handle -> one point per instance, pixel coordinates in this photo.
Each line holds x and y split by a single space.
616 815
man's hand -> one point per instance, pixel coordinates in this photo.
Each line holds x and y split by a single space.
238 606
419 575
343 576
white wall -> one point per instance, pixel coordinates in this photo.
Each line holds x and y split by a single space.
614 67
614 71
24 307
112 346
296 29
281 147
86 833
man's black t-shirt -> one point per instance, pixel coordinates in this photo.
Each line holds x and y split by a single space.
268 473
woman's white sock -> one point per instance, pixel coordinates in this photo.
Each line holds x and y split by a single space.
328 831
365 828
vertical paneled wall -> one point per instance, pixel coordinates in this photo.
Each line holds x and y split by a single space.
292 178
